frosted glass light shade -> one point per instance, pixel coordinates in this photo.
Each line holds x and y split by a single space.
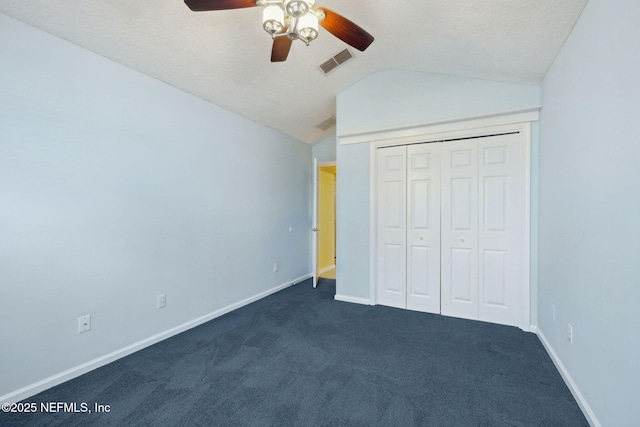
308 27
273 19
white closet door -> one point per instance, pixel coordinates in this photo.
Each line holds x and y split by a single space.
501 197
423 227
460 229
391 250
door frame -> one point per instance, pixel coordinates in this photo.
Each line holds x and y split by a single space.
315 241
314 224
445 131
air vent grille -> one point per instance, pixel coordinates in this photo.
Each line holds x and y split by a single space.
327 123
329 66
343 57
336 61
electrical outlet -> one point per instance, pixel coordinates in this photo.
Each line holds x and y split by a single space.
84 323
553 311
162 301
569 333
275 268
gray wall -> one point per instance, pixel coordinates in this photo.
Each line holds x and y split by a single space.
393 99
115 188
589 208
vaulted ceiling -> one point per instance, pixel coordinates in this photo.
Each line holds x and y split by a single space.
224 56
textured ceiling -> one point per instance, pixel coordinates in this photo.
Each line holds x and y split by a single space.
224 56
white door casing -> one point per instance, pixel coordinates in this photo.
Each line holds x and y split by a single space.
314 225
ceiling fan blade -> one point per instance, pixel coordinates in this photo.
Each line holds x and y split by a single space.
280 50
345 30
204 5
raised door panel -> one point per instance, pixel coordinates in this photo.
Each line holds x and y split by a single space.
459 241
423 227
391 212
501 197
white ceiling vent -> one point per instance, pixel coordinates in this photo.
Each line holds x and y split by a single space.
327 124
336 61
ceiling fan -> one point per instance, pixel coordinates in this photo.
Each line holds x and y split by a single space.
289 20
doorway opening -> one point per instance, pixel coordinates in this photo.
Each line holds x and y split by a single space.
325 223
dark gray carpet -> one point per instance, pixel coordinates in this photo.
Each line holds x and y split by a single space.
299 358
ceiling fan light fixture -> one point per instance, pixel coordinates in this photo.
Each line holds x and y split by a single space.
308 27
298 8
273 19
290 20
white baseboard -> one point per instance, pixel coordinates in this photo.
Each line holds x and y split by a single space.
325 269
354 300
76 371
584 406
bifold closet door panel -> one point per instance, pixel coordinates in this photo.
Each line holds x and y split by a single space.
392 228
459 228
501 194
423 227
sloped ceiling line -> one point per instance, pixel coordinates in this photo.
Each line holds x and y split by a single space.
218 56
